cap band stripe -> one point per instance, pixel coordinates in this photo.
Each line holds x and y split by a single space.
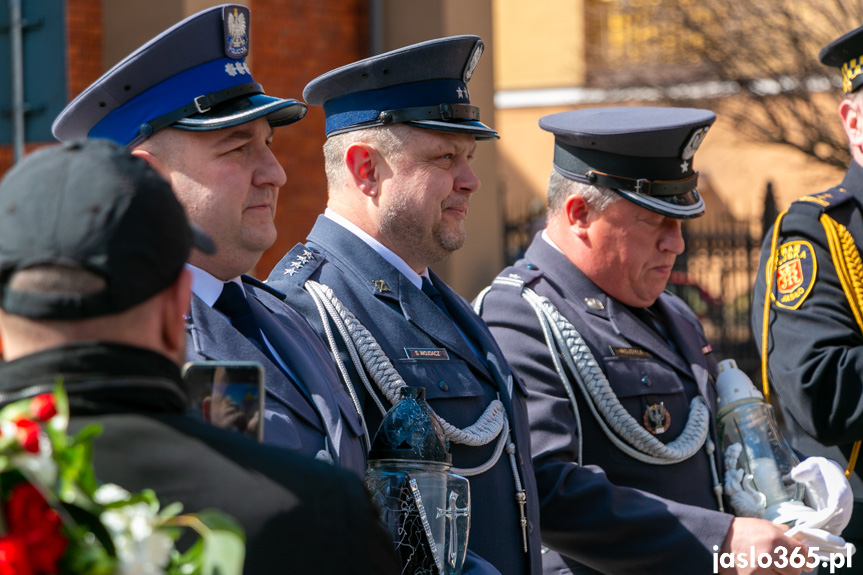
365 107
123 123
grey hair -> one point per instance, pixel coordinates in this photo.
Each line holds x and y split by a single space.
560 187
388 140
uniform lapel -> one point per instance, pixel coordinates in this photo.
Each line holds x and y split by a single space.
685 336
213 338
295 350
385 282
423 314
642 335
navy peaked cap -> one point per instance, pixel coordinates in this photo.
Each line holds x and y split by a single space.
846 53
643 153
422 85
192 76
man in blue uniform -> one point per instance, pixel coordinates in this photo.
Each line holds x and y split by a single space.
401 134
187 103
811 338
626 467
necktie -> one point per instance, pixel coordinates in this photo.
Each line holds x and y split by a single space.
232 302
434 295
655 320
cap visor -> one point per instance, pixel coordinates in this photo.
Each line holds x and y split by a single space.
278 112
683 206
476 128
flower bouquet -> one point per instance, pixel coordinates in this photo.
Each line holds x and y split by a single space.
55 517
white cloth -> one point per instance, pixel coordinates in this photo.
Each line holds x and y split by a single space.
829 502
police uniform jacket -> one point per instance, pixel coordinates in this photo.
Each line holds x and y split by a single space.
615 514
815 345
459 384
317 414
299 515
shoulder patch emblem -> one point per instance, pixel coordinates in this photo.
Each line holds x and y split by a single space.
796 269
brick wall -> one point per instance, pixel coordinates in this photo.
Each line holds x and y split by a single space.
294 41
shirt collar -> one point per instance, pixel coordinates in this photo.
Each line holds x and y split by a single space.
383 251
550 242
207 286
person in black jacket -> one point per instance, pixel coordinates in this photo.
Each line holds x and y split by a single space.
94 291
806 302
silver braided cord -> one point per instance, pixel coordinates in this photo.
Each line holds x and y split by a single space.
616 422
488 427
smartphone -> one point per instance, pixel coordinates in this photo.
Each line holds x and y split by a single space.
228 394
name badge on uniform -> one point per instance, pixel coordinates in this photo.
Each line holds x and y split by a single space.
432 353
633 352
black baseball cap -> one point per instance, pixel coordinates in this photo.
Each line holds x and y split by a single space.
93 206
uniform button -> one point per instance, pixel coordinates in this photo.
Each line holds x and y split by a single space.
443 386
531 267
645 381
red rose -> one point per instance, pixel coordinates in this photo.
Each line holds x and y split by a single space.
13 556
28 434
42 407
29 518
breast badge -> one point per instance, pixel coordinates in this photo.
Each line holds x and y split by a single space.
795 273
656 418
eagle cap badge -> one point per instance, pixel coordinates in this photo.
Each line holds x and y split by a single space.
236 22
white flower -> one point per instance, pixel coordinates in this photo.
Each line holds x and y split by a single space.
41 467
110 493
142 549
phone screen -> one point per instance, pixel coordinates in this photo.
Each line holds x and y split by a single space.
228 394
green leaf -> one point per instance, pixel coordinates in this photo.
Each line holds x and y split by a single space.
224 552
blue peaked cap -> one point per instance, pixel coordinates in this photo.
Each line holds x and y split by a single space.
422 85
643 153
192 76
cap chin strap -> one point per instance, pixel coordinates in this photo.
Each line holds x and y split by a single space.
200 105
657 188
446 112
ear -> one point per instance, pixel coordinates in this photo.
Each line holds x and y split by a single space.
852 121
362 162
156 163
577 215
177 298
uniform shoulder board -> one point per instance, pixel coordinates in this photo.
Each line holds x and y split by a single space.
254 282
824 201
517 276
299 264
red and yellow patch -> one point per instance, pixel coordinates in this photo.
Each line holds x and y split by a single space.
796 268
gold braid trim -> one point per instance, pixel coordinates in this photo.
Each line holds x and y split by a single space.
849 269
765 325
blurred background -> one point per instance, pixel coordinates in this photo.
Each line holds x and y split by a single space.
753 62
